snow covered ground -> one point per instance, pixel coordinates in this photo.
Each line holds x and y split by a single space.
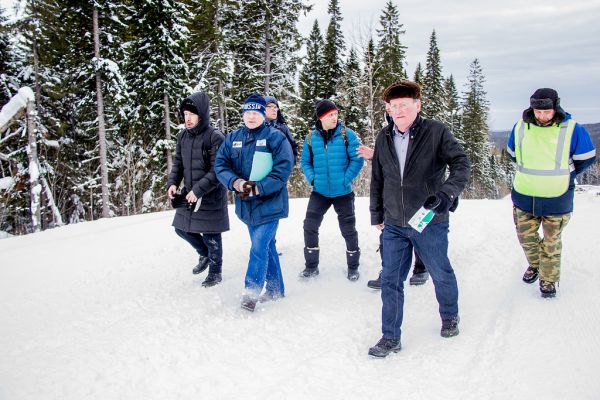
111 310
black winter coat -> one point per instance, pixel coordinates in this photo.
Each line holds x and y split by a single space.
432 147
189 165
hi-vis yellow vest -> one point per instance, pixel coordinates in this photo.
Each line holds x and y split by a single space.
542 155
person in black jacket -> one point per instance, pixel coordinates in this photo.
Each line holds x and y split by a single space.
409 172
201 214
274 118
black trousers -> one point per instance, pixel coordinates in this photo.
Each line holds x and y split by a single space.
344 208
206 245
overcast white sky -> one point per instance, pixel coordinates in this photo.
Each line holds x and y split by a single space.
521 45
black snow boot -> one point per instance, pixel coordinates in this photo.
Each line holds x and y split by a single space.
531 274
266 296
418 278
450 327
248 303
547 289
385 347
212 279
375 283
353 274
202 265
309 273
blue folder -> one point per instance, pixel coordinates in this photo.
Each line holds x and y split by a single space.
262 164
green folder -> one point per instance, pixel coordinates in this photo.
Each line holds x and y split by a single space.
262 164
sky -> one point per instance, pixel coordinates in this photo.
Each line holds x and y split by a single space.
521 46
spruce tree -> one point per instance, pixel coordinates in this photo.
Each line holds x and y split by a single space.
353 112
8 67
390 55
433 89
333 52
369 92
418 76
451 114
312 79
475 133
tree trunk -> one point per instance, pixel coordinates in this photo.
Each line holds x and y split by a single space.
57 218
268 54
168 133
34 169
101 123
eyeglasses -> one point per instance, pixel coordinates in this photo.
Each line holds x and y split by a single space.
272 106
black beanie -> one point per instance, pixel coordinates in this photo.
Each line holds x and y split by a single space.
188 105
544 99
324 107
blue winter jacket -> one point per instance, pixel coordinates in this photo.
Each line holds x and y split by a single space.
333 167
582 154
234 161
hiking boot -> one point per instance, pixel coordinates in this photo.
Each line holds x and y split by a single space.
385 347
248 303
266 296
309 273
418 278
547 289
375 283
450 327
202 265
353 274
212 279
531 274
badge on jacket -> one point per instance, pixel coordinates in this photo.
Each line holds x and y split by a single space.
237 145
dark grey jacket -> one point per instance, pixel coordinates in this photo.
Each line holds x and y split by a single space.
432 147
189 165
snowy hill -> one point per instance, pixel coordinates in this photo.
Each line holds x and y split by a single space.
111 310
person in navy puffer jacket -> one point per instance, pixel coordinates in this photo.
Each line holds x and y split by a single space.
330 163
259 204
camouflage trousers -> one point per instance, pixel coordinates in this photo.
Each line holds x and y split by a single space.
541 253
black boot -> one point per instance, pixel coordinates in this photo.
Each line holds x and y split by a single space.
248 303
266 296
212 279
547 289
202 265
418 278
353 259
375 283
450 327
311 257
385 347
531 274
353 274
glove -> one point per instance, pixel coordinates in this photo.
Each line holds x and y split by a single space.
238 185
440 203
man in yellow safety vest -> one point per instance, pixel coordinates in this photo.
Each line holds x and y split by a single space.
549 149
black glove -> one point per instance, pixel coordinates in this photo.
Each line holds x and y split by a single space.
250 190
440 203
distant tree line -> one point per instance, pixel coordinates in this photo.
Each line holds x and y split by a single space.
108 77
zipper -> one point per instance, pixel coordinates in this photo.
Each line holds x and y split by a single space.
327 164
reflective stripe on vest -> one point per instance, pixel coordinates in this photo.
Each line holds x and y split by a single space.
542 155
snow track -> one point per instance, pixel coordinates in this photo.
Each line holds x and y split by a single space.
111 310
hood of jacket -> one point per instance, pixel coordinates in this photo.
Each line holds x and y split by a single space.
202 103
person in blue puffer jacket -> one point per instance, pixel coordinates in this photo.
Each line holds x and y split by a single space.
330 163
260 204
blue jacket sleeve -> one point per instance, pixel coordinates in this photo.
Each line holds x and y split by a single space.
583 152
356 162
307 168
282 168
510 146
223 164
